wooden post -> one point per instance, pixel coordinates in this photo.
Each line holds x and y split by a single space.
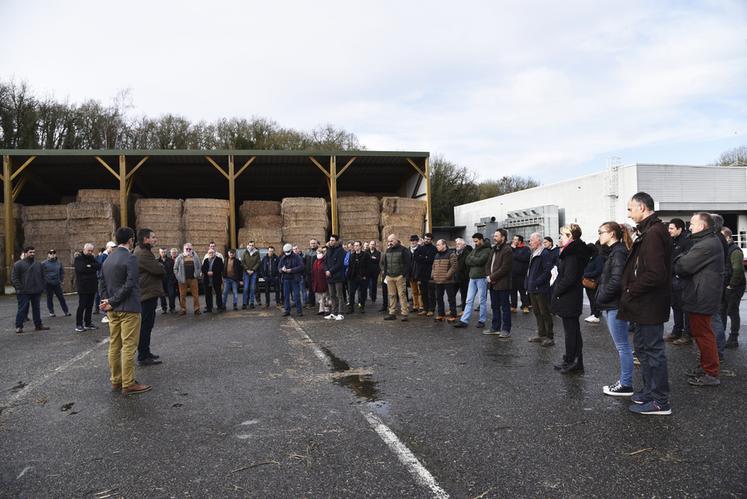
232 201
122 191
429 222
9 229
333 192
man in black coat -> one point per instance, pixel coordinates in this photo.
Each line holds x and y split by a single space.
645 302
423 257
28 280
374 259
86 280
680 334
521 256
169 280
212 279
701 269
358 269
461 278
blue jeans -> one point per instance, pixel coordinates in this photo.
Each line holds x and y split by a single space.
619 331
233 286
250 286
719 330
500 303
476 286
292 285
23 309
649 347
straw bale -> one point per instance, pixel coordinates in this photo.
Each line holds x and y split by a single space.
402 219
262 237
264 221
403 232
44 212
347 194
98 209
17 212
98 195
252 208
158 206
303 204
391 204
356 204
362 233
305 219
360 218
202 204
215 220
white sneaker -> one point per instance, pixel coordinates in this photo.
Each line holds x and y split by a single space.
330 316
339 317
105 320
592 320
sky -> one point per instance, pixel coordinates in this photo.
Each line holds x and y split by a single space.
545 89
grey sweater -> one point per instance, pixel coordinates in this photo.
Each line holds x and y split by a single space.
119 281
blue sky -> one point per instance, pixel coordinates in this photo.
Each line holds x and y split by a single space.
541 88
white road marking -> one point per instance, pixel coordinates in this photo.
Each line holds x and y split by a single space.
40 381
403 453
23 472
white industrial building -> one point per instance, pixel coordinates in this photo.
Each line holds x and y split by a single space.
589 201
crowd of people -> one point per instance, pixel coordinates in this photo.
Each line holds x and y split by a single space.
633 277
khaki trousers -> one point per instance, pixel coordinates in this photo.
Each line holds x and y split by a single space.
397 286
124 334
191 284
417 299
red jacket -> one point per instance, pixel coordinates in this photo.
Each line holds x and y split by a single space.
318 277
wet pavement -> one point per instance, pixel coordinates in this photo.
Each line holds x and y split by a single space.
249 404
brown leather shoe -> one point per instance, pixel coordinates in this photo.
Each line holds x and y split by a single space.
197 312
451 319
440 318
41 328
429 314
422 312
182 312
116 387
135 388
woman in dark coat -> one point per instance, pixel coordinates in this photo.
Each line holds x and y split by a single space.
608 292
567 296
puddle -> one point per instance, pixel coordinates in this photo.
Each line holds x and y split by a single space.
362 384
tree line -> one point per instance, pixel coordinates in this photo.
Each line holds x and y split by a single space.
28 121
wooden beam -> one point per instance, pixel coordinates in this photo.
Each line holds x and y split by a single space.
18 187
9 229
22 167
417 186
232 200
333 192
137 166
122 191
245 166
346 166
417 168
429 222
130 183
217 167
319 165
111 170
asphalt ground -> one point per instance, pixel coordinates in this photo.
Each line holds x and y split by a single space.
250 404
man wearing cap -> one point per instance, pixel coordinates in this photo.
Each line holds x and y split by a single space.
291 267
28 279
54 276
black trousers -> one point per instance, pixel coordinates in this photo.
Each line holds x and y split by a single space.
428 295
573 342
85 307
147 321
438 293
517 287
172 292
359 287
591 295
209 290
373 284
462 287
730 308
52 291
274 283
384 295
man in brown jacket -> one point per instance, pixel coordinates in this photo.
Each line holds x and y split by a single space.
442 278
645 301
150 274
499 283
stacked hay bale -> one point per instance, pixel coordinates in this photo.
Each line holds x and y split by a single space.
90 222
45 228
164 217
262 223
110 196
304 219
359 218
17 212
206 220
402 216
